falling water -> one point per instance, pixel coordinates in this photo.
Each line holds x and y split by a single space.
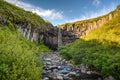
59 37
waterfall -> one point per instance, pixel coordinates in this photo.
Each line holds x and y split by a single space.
59 37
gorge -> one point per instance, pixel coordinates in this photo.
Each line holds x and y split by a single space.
69 31
86 48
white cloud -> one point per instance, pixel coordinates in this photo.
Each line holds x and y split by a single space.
48 14
89 15
96 2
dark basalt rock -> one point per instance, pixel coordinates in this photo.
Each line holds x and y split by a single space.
2 20
73 31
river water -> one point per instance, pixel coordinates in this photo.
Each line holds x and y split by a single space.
56 68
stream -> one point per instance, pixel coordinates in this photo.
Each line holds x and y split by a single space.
56 68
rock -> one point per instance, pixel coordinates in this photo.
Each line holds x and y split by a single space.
73 31
72 73
58 71
55 70
2 20
53 67
47 59
46 78
111 78
99 79
48 63
88 72
59 77
66 76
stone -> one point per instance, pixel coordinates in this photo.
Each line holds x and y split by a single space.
2 20
59 77
71 32
111 78
58 71
88 72
46 78
72 73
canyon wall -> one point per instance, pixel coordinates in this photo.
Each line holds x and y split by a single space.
73 31
69 32
48 35
41 34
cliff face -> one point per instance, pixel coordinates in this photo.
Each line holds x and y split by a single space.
51 38
34 33
32 26
73 31
48 35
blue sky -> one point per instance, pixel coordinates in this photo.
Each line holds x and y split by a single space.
62 11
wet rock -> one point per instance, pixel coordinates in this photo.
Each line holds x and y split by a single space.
72 73
46 78
60 69
59 77
109 78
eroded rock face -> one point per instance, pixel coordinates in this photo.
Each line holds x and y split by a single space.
75 31
51 37
28 30
46 34
34 33
49 34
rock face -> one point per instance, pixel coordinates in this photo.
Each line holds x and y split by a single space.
36 34
73 31
46 34
49 35
68 33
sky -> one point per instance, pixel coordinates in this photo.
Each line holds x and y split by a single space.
62 11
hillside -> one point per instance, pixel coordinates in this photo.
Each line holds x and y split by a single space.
74 30
14 13
99 49
20 59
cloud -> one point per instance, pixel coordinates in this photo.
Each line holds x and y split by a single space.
45 13
93 14
96 2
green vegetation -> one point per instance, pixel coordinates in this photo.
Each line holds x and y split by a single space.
14 13
20 59
100 49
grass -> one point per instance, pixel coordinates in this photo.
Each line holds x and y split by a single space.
99 49
18 56
20 59
14 13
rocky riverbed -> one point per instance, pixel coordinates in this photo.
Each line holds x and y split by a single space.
56 68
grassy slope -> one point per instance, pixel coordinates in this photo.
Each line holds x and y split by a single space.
14 13
20 59
100 49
